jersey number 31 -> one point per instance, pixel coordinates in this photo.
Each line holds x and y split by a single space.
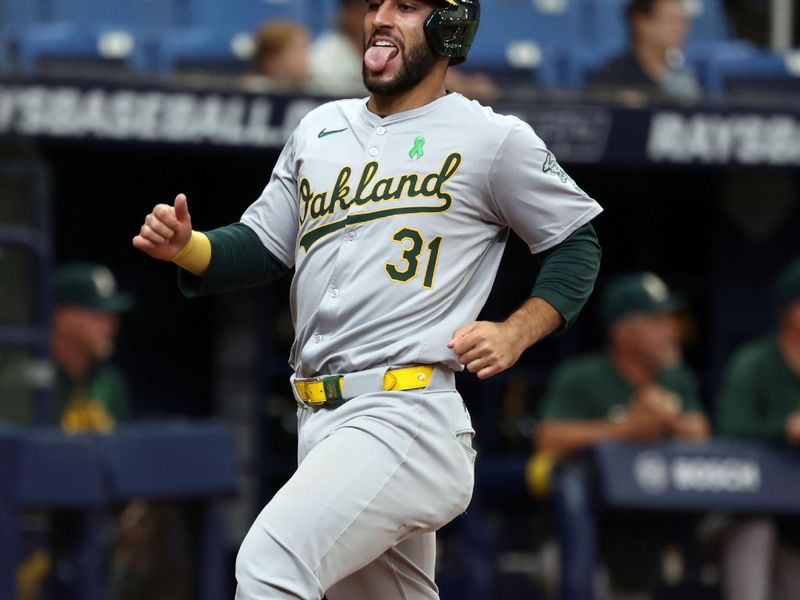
404 273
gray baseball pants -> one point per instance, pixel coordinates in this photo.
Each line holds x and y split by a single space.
377 477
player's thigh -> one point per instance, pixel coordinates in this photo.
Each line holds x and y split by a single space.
368 485
338 512
430 486
404 572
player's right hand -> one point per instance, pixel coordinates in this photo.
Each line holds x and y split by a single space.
166 230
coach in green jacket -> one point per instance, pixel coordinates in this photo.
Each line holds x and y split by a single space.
760 400
635 390
90 392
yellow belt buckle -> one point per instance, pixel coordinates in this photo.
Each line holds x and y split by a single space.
311 392
321 391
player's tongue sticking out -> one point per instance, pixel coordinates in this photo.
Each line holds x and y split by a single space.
376 57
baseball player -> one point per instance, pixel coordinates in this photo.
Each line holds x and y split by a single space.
394 212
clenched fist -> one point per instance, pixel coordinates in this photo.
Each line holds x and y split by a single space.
487 348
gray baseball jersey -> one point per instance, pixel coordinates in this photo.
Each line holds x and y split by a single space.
396 225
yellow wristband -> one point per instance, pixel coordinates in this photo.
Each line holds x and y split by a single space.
537 474
195 256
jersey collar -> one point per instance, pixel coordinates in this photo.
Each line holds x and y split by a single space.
372 119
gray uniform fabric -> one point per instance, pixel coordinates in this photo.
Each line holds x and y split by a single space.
395 227
377 476
363 192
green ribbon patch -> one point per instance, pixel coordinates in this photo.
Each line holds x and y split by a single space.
416 151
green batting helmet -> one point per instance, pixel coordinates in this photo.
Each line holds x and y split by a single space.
451 28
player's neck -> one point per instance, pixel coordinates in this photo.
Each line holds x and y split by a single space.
429 89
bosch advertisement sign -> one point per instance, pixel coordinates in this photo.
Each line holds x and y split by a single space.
683 476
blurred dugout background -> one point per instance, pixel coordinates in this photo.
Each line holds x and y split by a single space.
717 224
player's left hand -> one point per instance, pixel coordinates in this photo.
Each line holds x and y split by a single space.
487 348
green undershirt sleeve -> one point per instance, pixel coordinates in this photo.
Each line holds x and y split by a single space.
238 260
568 272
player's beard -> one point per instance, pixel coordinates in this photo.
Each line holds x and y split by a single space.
417 63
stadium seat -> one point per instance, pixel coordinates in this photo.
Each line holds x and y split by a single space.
321 15
602 23
760 71
521 35
135 15
106 32
578 61
601 33
50 45
14 14
709 22
5 62
18 12
700 53
217 37
237 16
203 49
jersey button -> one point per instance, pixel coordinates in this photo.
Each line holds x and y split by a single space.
350 236
318 338
380 130
334 292
373 151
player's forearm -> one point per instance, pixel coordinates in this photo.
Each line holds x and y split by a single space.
562 438
568 272
238 260
534 320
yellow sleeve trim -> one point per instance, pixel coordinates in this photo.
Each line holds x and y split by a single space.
195 256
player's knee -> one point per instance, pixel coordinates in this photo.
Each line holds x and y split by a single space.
255 562
267 569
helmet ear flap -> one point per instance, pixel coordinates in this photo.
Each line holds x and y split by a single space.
451 29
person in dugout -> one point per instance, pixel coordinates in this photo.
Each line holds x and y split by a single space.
760 401
636 389
91 394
